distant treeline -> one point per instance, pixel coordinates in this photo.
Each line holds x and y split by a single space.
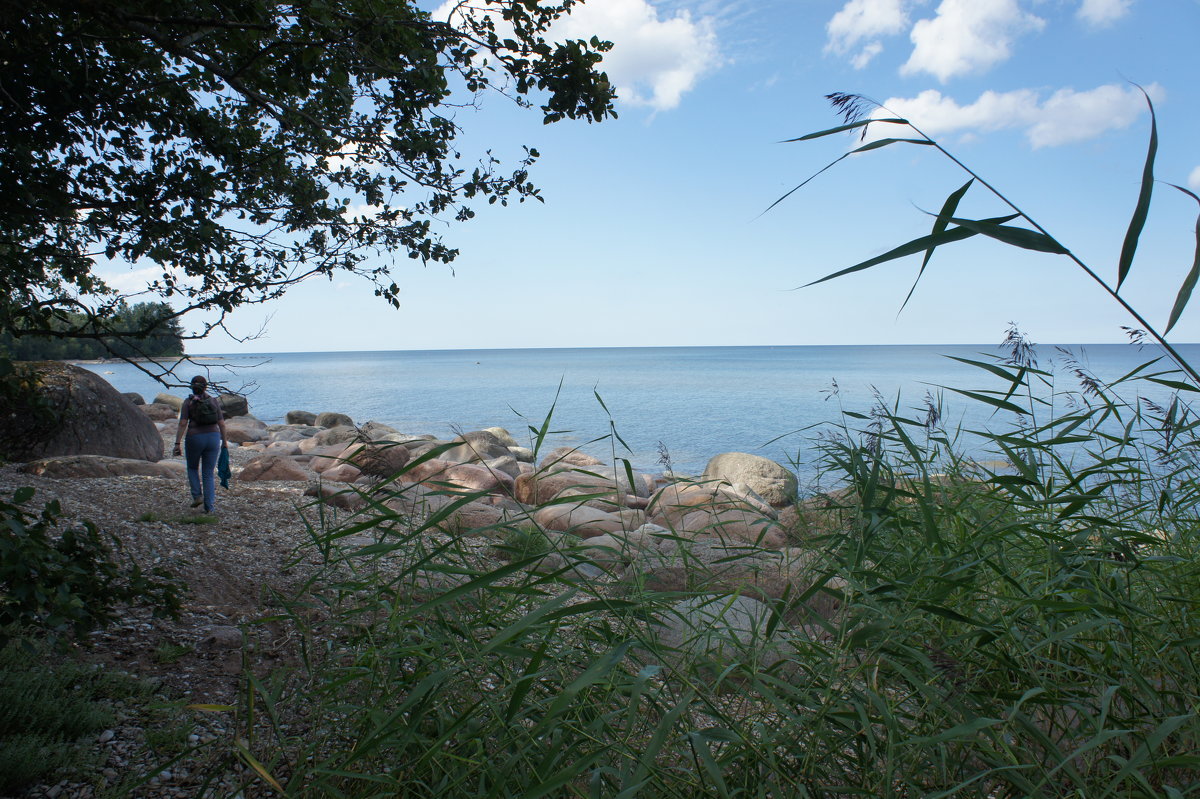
164 340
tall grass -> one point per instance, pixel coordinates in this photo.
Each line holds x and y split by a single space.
1020 631
1023 624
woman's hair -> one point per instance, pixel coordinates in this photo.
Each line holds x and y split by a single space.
200 380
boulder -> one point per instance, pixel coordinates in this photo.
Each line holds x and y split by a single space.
89 417
415 502
478 445
339 434
344 498
567 457
774 483
92 466
502 435
373 431
134 397
301 417
472 477
506 464
158 412
286 449
322 458
539 488
713 567
377 458
234 405
522 454
671 503
341 473
243 429
583 521
291 432
736 526
273 467
331 419
170 399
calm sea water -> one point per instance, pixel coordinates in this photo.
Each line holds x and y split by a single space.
695 401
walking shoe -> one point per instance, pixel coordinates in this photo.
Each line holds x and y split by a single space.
197 501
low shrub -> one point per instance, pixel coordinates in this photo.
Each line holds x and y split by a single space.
70 582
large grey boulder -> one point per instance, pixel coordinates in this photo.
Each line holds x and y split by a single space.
332 419
159 412
234 405
339 434
774 483
243 429
170 399
475 446
90 418
301 417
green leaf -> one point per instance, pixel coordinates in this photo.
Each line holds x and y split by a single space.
1189 283
939 225
993 401
875 145
917 245
1016 236
840 128
1142 209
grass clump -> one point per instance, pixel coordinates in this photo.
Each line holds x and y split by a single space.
51 709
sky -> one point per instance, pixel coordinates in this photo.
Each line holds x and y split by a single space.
653 231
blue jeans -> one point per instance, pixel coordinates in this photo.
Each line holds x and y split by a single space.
201 451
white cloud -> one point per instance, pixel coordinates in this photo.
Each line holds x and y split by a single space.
865 22
1064 117
967 36
1100 13
869 51
1194 178
654 61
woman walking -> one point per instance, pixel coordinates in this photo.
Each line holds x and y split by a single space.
203 420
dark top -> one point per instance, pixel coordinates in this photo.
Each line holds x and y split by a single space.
185 413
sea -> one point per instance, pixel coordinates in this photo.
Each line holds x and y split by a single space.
659 407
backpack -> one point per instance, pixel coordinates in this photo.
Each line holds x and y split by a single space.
203 411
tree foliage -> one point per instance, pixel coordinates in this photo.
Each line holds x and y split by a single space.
146 329
238 148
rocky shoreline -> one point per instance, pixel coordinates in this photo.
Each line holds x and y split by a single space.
604 523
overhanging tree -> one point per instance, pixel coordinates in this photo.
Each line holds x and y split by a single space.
242 147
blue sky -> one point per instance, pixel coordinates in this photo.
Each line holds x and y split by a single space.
651 233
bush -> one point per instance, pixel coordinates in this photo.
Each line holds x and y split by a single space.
71 583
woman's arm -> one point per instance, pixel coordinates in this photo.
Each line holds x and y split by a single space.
183 422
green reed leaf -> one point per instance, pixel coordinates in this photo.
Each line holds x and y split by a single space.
1142 209
1016 236
995 402
1189 283
920 244
875 145
939 225
841 128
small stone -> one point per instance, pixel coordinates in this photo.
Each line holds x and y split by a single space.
107 736
110 773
